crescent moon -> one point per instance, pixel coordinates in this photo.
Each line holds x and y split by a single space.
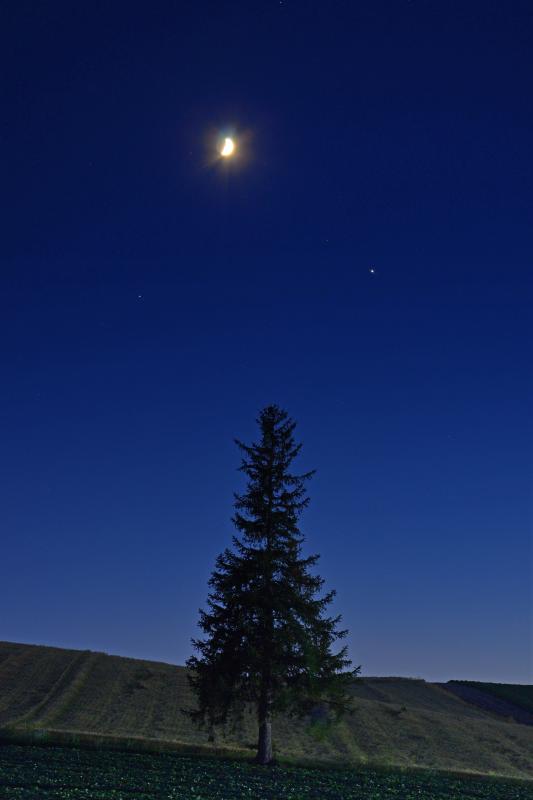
228 147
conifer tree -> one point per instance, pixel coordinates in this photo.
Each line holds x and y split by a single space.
268 637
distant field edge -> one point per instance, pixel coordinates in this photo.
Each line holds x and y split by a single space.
86 740
49 737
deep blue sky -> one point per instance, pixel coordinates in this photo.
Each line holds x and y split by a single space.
152 302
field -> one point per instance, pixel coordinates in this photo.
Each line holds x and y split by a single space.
55 773
70 696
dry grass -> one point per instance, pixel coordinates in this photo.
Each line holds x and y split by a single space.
128 702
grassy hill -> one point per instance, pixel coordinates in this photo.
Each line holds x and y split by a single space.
395 721
514 696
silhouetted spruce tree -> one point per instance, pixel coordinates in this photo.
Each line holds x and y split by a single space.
268 637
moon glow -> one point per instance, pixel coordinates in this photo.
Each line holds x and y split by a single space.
228 147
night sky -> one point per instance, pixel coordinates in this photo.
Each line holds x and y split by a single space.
363 262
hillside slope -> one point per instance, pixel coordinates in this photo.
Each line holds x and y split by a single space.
511 701
394 721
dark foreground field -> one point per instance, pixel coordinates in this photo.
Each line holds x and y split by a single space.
56 773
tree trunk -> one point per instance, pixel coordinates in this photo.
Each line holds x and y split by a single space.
264 745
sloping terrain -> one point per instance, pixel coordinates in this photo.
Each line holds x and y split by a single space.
513 702
394 721
518 694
